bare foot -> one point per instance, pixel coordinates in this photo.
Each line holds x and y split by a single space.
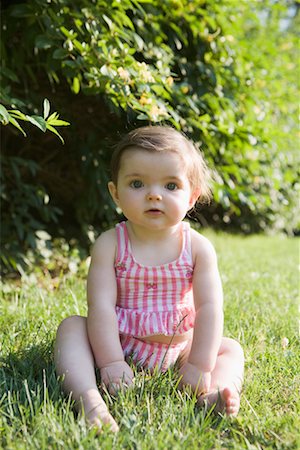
96 412
100 416
225 400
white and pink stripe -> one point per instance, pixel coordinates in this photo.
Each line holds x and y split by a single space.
154 299
151 354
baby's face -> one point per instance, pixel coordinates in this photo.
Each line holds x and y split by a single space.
153 189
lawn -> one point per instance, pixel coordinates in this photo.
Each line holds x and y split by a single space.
260 279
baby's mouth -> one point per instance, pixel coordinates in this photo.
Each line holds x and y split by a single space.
154 211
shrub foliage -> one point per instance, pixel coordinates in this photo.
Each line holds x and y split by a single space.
225 73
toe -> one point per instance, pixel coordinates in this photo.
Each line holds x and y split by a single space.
231 401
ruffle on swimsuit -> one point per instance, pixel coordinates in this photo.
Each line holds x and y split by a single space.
154 322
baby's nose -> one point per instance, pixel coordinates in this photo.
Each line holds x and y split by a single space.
154 196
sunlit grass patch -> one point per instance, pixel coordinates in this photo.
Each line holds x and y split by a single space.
260 279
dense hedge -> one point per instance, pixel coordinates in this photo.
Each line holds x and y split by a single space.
223 72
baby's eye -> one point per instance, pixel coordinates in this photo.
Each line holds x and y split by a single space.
171 186
136 184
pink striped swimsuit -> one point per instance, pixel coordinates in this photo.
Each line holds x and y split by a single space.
153 300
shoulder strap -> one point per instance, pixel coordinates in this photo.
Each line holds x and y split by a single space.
187 243
122 241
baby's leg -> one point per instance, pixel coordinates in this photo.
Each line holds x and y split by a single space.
226 379
75 362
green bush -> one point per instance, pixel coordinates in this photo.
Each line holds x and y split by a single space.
225 73
26 210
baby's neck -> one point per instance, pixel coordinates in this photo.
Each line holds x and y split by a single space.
154 236
155 248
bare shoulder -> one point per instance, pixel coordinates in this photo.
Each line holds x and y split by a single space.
101 283
203 250
105 246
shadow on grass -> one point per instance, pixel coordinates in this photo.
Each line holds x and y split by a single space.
33 409
28 379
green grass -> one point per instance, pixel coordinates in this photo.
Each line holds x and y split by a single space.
260 278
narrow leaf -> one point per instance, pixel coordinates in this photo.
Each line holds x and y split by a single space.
18 114
57 123
15 124
53 130
108 21
69 34
54 115
4 115
76 85
46 108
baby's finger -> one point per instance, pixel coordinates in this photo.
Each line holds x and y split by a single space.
113 388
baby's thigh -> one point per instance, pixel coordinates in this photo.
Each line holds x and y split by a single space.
184 354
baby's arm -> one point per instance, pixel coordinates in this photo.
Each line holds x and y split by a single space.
208 329
102 320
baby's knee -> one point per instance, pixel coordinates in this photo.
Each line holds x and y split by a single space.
234 347
71 324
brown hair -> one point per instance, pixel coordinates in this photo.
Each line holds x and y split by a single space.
164 138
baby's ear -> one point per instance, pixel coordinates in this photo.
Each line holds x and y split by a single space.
113 192
194 197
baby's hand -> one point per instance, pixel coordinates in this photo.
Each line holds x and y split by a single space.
116 375
192 376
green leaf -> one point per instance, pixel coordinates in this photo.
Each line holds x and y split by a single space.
53 130
54 115
104 70
4 115
16 124
60 53
108 71
108 21
78 45
142 116
38 121
69 34
43 42
10 74
57 123
139 42
46 108
76 85
18 114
